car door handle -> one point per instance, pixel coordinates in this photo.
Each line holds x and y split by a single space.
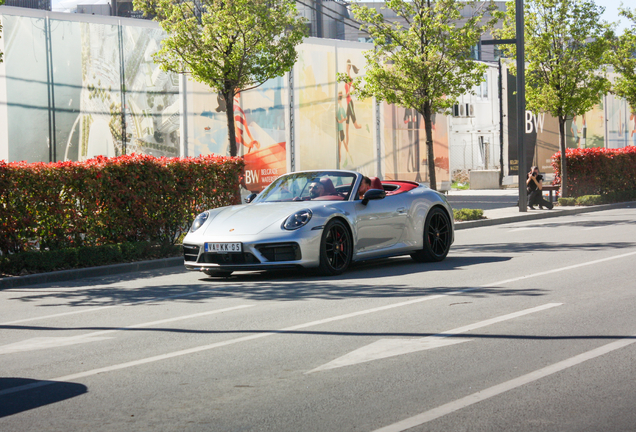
401 210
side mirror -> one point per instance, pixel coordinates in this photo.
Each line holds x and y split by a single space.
373 194
250 198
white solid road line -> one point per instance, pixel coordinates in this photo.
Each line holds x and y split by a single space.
95 309
53 342
385 348
584 264
300 326
496 390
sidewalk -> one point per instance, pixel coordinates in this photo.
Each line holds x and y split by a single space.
500 207
483 199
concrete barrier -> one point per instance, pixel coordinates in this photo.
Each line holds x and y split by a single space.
484 179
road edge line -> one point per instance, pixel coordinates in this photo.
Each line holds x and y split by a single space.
512 384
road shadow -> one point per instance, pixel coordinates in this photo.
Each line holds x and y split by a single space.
253 331
515 247
35 394
279 285
577 224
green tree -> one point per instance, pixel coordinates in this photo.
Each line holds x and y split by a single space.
622 57
426 65
564 45
231 46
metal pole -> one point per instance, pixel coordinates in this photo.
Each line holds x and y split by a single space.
49 87
122 84
521 105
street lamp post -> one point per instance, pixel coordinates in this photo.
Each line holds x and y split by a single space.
521 104
521 98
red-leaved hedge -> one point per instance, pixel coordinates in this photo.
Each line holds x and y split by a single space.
596 171
109 200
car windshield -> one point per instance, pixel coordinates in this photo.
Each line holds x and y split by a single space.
306 186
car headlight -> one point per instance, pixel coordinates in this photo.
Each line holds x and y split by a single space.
297 220
198 221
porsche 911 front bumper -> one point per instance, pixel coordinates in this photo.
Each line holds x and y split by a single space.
291 249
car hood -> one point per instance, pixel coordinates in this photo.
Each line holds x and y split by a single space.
251 219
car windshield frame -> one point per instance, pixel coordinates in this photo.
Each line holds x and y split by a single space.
301 180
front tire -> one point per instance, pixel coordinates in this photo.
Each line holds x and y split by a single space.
437 237
336 249
218 273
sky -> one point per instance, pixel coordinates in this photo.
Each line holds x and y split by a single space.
611 11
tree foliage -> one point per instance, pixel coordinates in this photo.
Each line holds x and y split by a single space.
565 41
231 46
622 57
425 65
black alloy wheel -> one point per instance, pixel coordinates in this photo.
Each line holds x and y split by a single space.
336 248
437 237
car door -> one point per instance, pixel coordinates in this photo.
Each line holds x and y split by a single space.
379 224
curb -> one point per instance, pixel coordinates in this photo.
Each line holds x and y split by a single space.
545 215
74 274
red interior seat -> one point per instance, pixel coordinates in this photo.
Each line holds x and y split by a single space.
376 183
328 185
402 186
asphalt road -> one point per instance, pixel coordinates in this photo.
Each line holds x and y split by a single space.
525 327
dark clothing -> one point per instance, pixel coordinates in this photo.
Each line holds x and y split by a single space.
532 186
351 112
535 196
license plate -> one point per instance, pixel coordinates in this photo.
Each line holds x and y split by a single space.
224 247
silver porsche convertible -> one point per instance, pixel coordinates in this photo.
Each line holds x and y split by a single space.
324 220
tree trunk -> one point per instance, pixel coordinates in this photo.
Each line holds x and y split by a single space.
228 95
428 125
564 170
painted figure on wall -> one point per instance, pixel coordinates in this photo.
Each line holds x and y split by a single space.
412 122
580 136
351 112
240 125
341 117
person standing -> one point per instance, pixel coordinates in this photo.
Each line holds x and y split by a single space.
534 185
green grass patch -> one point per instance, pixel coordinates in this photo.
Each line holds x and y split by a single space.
462 215
460 186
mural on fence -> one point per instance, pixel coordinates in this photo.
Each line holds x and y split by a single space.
100 99
621 123
25 66
315 110
151 97
404 137
354 117
607 124
259 117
